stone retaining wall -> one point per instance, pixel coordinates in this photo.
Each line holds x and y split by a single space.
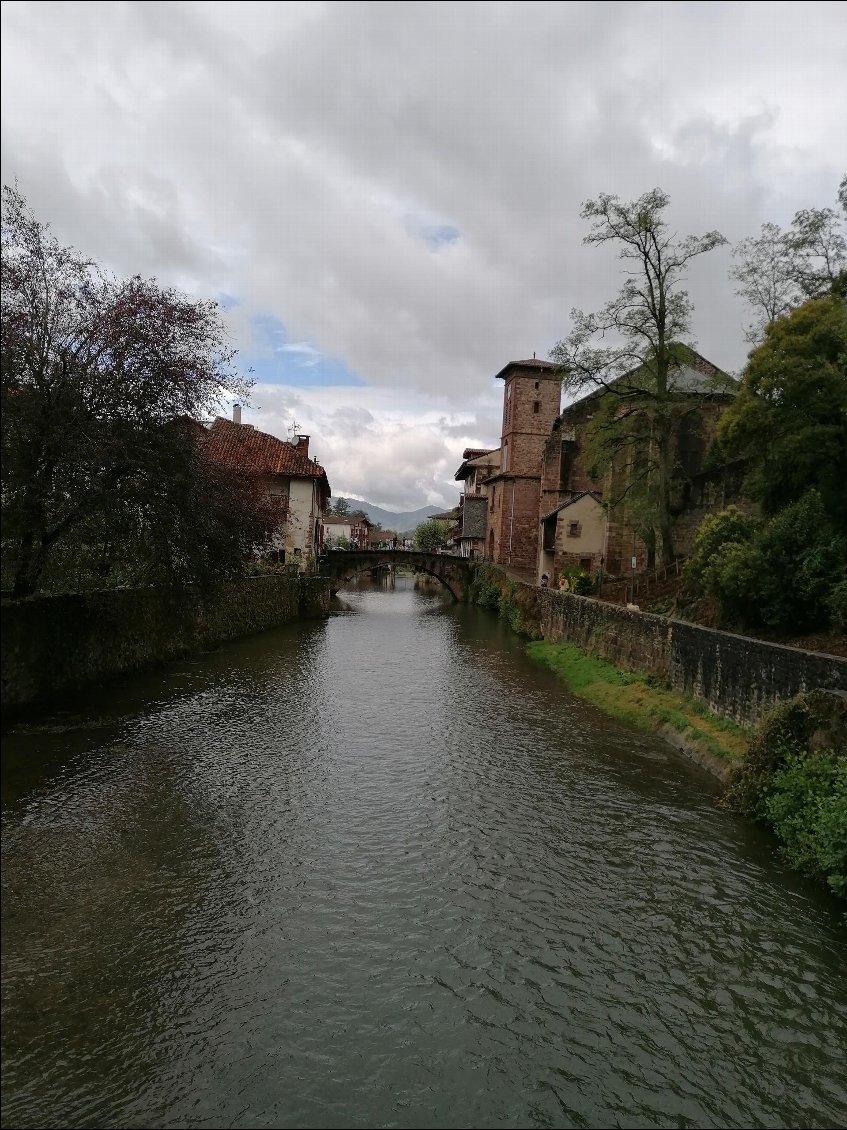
734 676
55 644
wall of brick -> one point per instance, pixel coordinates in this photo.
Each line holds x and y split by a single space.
734 676
52 645
514 520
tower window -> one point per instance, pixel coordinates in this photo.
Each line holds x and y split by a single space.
535 406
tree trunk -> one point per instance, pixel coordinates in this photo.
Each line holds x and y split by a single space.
650 543
27 571
663 446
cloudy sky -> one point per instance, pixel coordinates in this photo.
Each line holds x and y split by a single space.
385 197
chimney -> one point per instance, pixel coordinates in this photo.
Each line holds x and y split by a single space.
236 413
303 445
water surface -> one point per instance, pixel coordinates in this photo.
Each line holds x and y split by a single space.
383 871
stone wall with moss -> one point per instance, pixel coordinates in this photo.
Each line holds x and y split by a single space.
515 601
54 644
736 677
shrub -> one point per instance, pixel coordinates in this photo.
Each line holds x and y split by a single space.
805 803
582 584
735 576
579 581
729 526
780 574
794 778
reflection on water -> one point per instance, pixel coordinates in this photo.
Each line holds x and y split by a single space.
380 870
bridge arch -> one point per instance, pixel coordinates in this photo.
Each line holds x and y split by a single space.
453 571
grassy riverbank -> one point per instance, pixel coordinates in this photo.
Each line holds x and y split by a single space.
643 702
790 773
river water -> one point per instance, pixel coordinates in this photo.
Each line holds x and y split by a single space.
382 871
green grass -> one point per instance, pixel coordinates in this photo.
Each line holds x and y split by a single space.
633 698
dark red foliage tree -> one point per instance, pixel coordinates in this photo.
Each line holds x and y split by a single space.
102 382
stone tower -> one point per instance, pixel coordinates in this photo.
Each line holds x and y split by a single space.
531 399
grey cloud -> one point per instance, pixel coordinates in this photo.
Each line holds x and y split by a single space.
276 152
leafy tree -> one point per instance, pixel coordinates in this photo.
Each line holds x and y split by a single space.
645 323
790 419
101 379
729 526
778 270
340 542
432 534
782 574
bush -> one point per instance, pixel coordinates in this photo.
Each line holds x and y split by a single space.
730 526
794 778
579 581
781 574
582 584
734 577
805 803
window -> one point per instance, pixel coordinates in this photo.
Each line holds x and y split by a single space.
574 529
536 386
535 406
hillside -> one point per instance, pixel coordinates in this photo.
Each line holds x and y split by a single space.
400 522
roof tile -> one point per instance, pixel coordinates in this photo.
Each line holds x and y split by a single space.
247 449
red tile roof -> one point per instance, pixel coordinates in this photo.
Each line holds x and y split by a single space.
346 520
247 449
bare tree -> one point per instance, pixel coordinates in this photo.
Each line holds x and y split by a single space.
631 347
765 276
778 270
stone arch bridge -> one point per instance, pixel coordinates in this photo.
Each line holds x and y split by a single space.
453 571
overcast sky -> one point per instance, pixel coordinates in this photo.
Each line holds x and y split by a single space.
385 197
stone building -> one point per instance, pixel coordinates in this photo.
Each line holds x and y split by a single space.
478 465
588 521
352 530
531 399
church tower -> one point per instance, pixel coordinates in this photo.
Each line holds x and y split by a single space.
531 400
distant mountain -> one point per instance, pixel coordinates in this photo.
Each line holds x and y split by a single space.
400 523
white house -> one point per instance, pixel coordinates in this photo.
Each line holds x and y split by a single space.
286 472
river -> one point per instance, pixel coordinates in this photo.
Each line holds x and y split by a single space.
381 870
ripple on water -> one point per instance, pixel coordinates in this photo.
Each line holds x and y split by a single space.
381 871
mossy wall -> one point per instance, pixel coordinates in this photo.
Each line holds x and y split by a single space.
515 601
734 676
55 644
